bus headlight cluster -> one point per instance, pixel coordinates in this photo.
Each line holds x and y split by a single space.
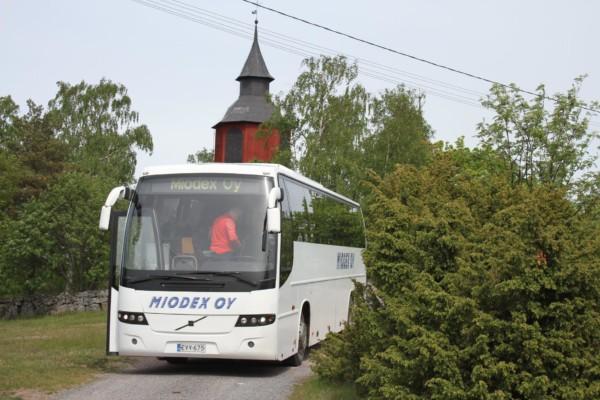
255 320
132 318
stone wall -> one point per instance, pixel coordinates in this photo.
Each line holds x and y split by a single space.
64 302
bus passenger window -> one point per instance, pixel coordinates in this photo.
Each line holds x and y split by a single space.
300 203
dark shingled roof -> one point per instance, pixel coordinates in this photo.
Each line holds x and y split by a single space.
252 105
248 109
255 66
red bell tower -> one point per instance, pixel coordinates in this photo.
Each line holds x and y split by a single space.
236 138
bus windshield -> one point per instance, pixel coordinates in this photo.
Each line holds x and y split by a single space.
199 233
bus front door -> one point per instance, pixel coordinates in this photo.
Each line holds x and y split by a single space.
117 230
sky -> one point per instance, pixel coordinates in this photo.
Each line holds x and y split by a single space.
180 72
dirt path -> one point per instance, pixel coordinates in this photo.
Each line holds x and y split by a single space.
198 379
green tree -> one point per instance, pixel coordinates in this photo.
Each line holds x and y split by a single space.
333 130
10 171
537 144
323 120
100 128
398 133
9 111
32 155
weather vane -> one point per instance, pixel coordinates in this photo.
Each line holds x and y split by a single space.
255 13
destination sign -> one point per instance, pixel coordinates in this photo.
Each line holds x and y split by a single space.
203 184
206 185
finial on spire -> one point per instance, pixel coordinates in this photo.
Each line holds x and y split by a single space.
255 66
255 13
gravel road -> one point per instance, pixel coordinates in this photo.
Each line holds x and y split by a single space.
198 379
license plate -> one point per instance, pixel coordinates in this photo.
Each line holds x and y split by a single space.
191 347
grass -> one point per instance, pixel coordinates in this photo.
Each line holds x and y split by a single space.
315 388
50 353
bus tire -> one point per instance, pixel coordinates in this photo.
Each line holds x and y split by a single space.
296 359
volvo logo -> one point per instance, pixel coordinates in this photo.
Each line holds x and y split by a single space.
190 323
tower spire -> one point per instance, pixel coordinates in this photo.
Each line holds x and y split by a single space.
255 66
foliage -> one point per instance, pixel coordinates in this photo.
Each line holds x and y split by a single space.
56 167
399 132
485 290
54 243
536 144
333 130
586 193
98 125
31 154
201 156
329 112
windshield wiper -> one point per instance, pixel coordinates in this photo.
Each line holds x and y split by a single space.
165 277
235 275
264 233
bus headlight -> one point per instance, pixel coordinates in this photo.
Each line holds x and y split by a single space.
132 318
255 320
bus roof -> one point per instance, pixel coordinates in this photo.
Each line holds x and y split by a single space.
239 168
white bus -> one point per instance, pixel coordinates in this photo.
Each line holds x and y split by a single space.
286 285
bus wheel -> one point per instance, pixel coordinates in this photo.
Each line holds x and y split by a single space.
297 358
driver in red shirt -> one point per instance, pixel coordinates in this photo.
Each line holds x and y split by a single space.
223 234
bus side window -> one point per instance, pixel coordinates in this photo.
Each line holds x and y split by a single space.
300 203
287 239
336 222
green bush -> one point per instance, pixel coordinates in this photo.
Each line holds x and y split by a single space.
485 290
54 244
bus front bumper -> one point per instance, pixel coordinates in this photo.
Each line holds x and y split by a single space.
245 343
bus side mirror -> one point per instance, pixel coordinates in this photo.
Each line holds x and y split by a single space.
273 220
273 214
275 195
114 195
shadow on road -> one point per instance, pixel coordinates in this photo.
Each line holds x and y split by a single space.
237 368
